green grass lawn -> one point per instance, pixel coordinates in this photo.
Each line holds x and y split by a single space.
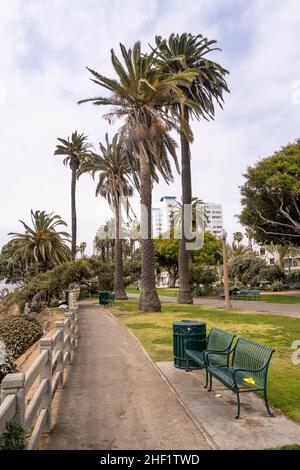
168 291
281 298
273 298
154 330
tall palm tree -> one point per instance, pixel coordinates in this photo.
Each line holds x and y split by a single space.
113 184
76 149
41 243
175 55
142 96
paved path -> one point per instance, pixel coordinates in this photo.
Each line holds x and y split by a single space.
290 310
115 398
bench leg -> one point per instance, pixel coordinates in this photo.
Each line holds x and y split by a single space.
267 404
187 364
238 405
206 374
210 382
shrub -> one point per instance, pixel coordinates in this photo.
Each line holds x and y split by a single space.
8 367
18 333
14 438
277 286
53 283
246 270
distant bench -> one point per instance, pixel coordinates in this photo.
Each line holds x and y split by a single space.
245 294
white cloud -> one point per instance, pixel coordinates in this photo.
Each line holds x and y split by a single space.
44 47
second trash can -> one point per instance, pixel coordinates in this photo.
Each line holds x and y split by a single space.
104 298
187 329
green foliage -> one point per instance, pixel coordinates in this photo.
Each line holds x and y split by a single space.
203 276
75 150
39 248
211 252
8 367
166 252
132 268
246 269
271 273
271 197
14 438
181 52
277 286
53 283
18 333
114 168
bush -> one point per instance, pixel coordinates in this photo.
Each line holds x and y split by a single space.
271 274
246 270
18 333
8 367
277 286
14 438
53 283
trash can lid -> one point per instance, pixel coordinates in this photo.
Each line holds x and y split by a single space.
188 323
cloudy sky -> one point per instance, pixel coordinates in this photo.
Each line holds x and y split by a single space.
44 48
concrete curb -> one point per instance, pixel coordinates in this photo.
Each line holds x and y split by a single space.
208 438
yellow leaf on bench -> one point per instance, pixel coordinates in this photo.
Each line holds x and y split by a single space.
249 380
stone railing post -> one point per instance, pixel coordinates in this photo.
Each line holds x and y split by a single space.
67 332
14 384
59 325
46 344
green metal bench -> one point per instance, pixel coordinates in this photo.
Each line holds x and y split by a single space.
217 341
246 294
248 372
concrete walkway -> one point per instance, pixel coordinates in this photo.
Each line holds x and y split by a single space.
115 397
290 310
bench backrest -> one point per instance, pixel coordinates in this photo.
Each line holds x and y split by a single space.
250 355
219 340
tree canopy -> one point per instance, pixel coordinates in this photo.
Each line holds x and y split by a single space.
271 197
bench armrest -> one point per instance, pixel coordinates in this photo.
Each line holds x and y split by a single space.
217 353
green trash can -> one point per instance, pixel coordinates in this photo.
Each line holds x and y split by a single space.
181 330
104 298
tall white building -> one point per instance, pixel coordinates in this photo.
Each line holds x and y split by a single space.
214 213
161 216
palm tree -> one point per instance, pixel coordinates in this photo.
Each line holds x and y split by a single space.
113 184
198 215
81 249
76 149
238 237
235 251
142 95
175 55
41 243
250 235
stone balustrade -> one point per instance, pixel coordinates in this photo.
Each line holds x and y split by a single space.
46 373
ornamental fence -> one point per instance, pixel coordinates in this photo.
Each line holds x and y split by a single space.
46 374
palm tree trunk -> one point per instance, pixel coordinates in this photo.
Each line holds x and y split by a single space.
118 277
185 292
149 300
73 213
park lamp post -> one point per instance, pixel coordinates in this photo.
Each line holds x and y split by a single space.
223 237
